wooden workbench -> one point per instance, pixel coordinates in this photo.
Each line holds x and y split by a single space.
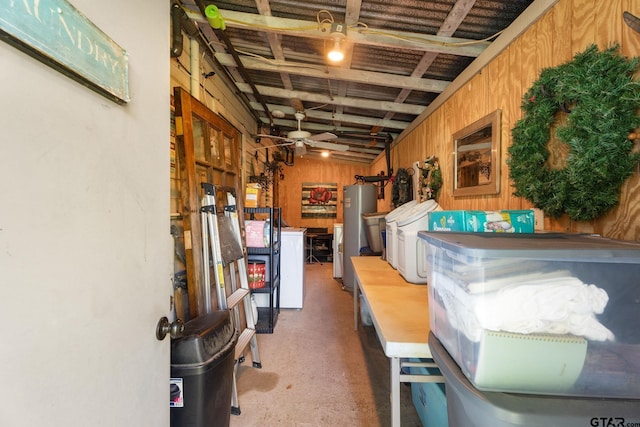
400 314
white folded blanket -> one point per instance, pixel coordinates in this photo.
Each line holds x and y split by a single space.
544 304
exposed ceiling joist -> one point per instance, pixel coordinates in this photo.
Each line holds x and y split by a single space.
344 132
335 100
333 73
264 8
356 34
345 155
324 115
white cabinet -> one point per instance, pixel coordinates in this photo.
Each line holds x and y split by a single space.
292 267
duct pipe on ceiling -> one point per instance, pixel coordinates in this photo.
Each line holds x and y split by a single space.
176 31
180 21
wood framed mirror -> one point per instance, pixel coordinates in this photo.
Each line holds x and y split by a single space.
476 157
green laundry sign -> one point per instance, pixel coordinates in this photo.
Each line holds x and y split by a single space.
56 33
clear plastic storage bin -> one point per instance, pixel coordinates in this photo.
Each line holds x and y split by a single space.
538 313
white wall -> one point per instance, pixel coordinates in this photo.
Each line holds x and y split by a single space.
85 249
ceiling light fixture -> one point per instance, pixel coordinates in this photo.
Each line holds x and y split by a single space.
278 114
338 32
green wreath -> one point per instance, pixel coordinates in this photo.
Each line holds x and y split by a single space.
597 92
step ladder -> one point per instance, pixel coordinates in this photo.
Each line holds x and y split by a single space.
222 235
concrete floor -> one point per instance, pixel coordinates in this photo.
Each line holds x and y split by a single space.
316 370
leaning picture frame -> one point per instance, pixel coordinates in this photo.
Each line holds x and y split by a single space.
476 157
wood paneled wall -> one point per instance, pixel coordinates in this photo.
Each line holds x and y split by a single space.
314 170
568 28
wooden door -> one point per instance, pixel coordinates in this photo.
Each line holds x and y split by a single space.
207 151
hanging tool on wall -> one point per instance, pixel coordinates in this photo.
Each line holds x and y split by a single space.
381 178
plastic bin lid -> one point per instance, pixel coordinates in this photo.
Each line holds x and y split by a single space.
397 212
374 215
540 246
417 212
203 338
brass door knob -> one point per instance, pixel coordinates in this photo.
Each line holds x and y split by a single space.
165 327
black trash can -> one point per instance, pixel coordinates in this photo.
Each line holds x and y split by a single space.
202 372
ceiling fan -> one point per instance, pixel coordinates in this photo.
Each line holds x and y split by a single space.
301 138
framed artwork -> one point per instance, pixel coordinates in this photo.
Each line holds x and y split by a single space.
319 199
476 157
